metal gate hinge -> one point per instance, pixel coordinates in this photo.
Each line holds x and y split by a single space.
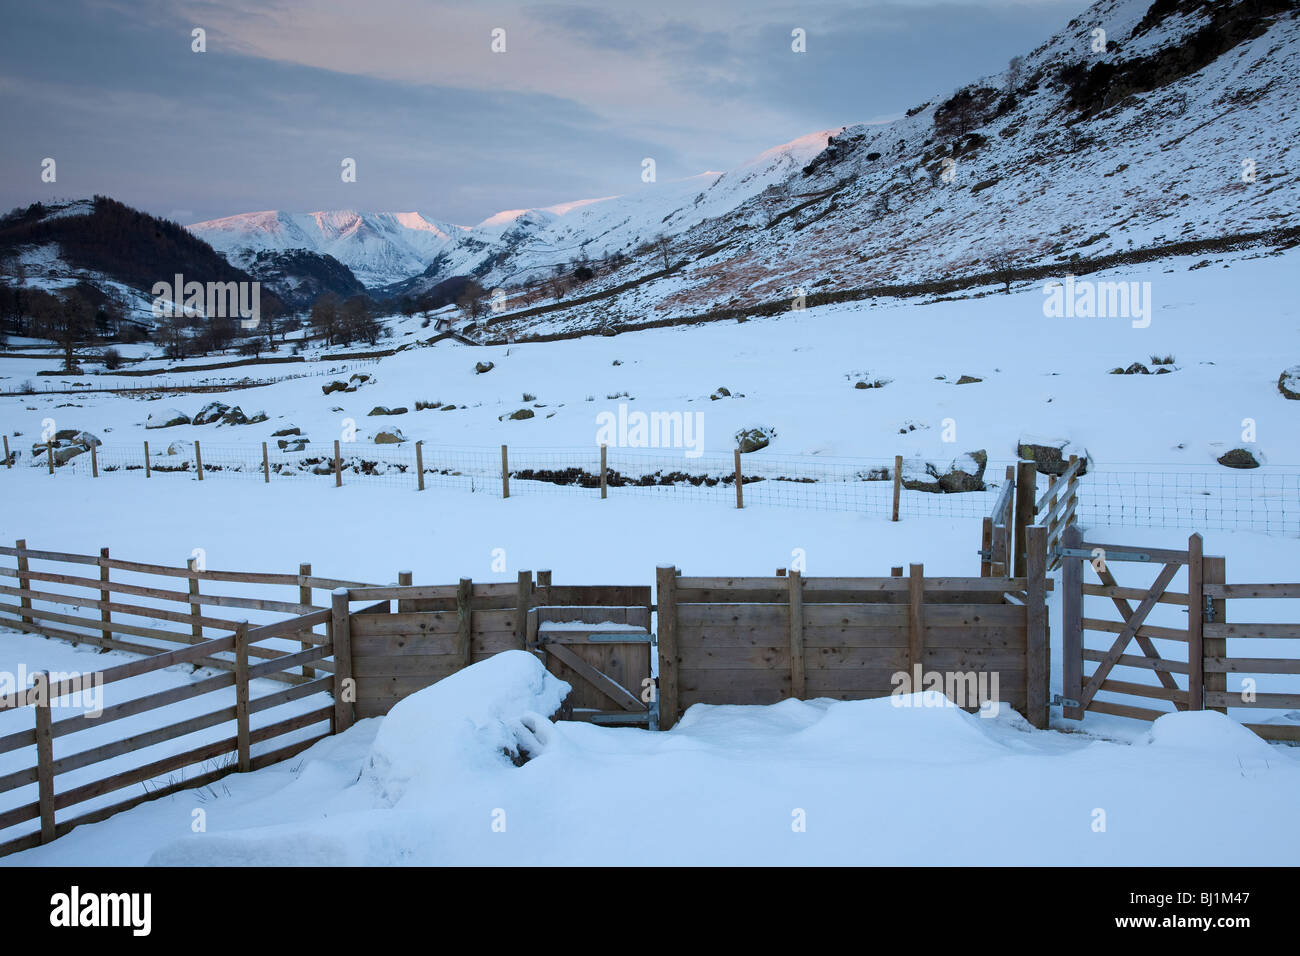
1208 614
1064 701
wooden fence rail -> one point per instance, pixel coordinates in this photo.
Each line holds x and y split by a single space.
43 698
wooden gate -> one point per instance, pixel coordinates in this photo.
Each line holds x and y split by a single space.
1080 559
604 654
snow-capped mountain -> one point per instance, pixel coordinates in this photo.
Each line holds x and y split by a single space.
1139 126
513 246
379 247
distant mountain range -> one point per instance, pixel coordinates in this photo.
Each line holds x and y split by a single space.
1142 129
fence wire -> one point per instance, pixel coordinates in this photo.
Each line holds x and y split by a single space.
1210 498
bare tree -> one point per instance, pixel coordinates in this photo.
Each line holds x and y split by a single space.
1015 72
1003 266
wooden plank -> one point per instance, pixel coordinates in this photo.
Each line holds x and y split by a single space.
1157 555
44 754
24 583
402 645
1253 590
898 485
1131 594
1026 489
505 472
1132 660
314 652
1195 650
241 697
1125 710
345 687
1072 649
615 691
740 483
129 708
465 617
1037 659
433 666
1219 699
389 593
524 599
604 472
1281 732
1144 690
105 614
1262 631
142 740
148 771
1146 630
797 682
1252 665
666 624
915 616
321 685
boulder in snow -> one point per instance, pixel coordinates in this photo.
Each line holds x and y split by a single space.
1288 383
166 418
1051 456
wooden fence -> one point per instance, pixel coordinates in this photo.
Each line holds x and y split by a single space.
411 636
762 640
1198 652
42 697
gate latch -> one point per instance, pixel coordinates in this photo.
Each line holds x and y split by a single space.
1208 614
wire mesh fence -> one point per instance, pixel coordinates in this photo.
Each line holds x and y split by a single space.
1210 498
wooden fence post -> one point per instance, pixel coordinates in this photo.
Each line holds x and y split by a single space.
916 620
1071 625
1214 571
304 597
525 600
24 582
505 472
740 483
898 484
39 695
602 470
896 572
196 609
1026 489
266 464
344 685
986 548
1195 612
241 698
147 470
9 461
404 579
94 461
198 459
544 587
105 593
798 684
465 621
419 466
1037 662
49 456
666 594
338 465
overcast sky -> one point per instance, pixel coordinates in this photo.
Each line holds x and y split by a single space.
438 122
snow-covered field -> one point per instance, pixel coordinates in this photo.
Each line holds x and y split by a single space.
818 782
877 784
